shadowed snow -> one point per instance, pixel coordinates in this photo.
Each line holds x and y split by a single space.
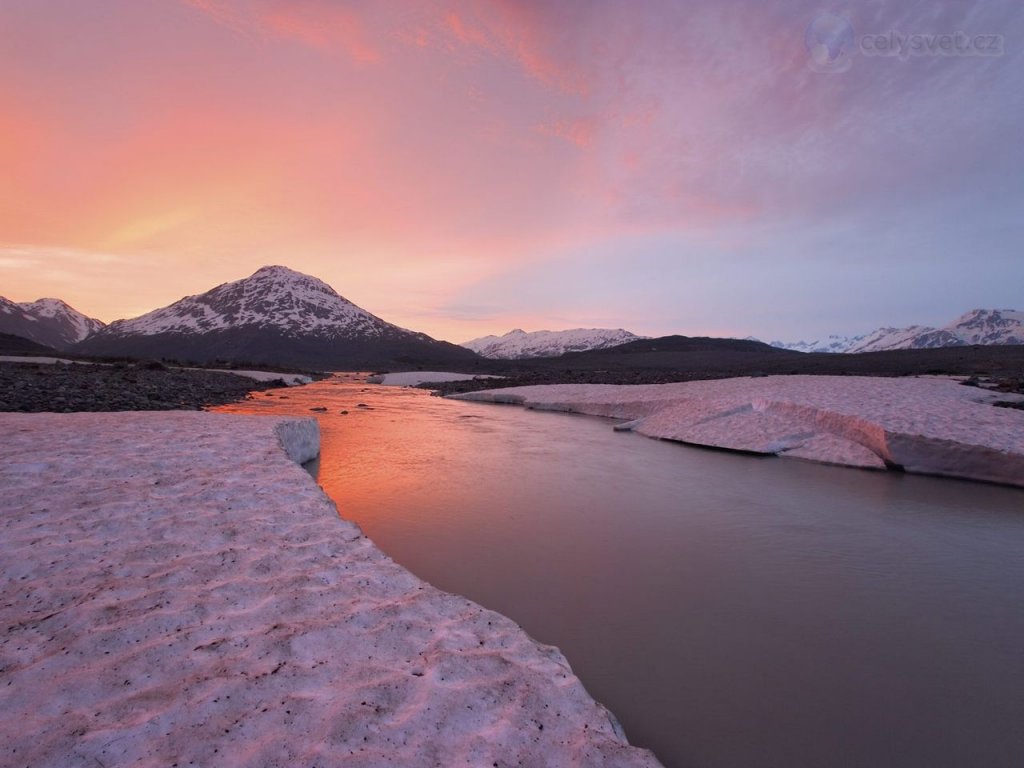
415 378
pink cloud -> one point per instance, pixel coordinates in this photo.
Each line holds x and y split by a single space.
464 33
579 132
219 11
316 23
518 32
524 34
322 26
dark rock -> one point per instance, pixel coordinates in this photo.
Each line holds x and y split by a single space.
65 389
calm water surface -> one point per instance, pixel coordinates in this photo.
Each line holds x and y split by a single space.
732 611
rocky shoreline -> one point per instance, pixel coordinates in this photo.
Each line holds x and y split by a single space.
62 388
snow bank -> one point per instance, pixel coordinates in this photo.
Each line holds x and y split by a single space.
415 378
37 360
291 379
929 426
299 438
177 591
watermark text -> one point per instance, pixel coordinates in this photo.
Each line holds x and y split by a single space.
832 43
904 45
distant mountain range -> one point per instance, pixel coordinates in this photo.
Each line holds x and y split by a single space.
979 326
518 344
283 317
49 322
276 316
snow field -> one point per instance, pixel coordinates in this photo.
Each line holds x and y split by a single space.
922 425
177 590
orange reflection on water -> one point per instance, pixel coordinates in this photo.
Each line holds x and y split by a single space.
376 454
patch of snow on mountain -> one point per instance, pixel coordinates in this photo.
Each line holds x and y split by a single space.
518 344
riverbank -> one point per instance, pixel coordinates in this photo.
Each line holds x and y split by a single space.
922 425
56 387
160 609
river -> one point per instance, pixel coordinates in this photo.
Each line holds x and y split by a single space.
732 611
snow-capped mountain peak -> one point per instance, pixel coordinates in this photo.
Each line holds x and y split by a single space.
273 297
990 326
518 344
75 325
277 316
46 321
979 326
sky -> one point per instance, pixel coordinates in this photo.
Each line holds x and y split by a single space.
782 169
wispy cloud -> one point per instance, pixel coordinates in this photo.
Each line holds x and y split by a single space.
17 256
579 132
320 24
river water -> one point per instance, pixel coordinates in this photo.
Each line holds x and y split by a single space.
732 611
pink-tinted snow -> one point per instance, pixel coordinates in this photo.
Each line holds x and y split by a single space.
924 425
176 590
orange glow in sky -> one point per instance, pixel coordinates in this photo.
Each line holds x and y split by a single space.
155 152
462 167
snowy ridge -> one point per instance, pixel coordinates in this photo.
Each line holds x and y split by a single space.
272 298
832 343
46 321
911 337
979 326
517 344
